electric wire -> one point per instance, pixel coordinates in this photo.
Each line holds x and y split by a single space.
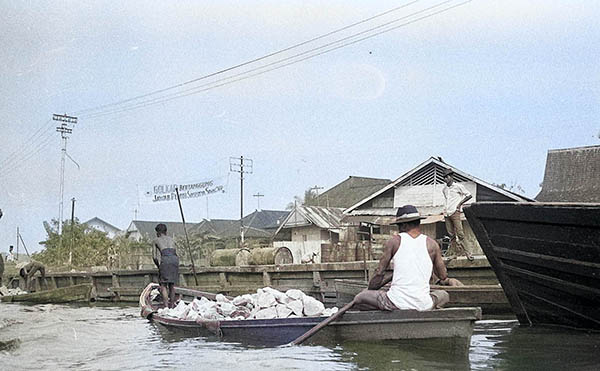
177 94
248 62
214 85
26 143
16 165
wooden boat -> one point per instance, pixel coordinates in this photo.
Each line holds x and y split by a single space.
83 292
490 298
547 258
454 325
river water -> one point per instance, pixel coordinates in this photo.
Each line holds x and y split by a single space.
101 337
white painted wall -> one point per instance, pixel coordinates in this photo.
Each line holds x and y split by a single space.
429 197
305 240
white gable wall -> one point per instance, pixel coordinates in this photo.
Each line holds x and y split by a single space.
428 198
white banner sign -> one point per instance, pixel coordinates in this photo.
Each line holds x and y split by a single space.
166 192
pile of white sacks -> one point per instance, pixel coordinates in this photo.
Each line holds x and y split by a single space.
267 303
4 291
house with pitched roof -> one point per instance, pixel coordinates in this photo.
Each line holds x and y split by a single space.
140 230
350 191
102 226
422 187
307 229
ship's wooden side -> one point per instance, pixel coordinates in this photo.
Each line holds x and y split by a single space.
547 258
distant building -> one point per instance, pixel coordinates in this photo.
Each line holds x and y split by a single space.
350 191
139 230
307 228
422 187
258 224
102 226
572 175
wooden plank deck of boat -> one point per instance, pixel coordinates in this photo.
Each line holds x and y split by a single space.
547 258
490 298
66 294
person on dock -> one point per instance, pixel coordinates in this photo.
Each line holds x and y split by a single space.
414 256
28 270
455 195
10 257
165 257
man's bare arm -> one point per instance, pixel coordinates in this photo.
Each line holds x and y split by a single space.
439 268
379 279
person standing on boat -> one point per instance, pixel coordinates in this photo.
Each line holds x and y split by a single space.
455 195
28 270
166 259
414 256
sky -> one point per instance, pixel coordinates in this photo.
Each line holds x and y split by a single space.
490 86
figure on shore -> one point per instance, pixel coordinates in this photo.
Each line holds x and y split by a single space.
28 270
456 195
166 259
414 256
10 257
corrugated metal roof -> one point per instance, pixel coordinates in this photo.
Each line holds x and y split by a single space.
383 217
322 217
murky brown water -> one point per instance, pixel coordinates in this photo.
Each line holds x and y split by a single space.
99 337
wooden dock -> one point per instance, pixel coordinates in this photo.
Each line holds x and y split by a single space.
317 280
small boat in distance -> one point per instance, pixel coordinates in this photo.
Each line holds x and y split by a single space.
453 325
546 257
82 292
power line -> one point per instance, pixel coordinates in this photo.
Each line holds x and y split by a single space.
212 85
248 62
13 165
26 143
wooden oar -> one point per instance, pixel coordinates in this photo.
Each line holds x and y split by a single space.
318 327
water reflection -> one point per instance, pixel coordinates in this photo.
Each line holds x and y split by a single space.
115 338
508 346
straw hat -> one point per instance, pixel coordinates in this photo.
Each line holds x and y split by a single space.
407 213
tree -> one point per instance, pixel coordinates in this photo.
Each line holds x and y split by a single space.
513 187
86 245
311 198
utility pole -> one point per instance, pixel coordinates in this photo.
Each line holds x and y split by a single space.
236 164
17 243
72 231
64 130
258 196
316 189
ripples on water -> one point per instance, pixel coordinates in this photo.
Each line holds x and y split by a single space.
58 337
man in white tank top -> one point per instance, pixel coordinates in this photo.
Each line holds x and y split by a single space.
415 257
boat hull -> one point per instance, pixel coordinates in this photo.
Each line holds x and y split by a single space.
547 258
452 324
83 292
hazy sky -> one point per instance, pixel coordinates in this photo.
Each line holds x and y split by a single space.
490 86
